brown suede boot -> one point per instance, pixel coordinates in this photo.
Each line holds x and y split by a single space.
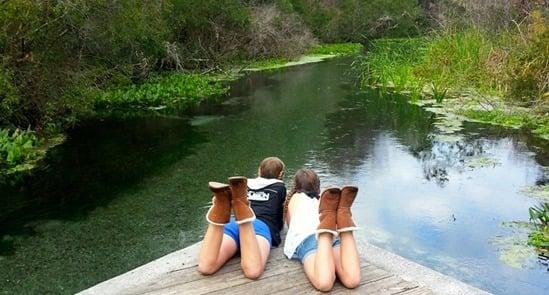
344 216
241 206
220 212
329 200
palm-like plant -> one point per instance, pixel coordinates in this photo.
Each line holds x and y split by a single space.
539 214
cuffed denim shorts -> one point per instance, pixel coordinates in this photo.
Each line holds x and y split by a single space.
309 246
260 228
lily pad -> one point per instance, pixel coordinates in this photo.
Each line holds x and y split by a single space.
482 161
513 249
537 191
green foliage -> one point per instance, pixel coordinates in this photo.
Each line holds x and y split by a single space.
268 63
514 66
456 60
336 48
17 148
539 216
174 90
529 63
57 55
9 98
359 20
439 93
539 124
391 63
463 60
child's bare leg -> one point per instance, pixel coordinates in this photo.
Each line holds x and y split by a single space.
254 251
347 265
216 250
319 267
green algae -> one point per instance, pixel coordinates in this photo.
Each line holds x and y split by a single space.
513 249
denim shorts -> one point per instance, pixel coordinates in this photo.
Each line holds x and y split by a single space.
260 228
309 246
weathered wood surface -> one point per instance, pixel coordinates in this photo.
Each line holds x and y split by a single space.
281 276
176 273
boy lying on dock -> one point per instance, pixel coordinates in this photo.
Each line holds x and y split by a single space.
320 231
255 228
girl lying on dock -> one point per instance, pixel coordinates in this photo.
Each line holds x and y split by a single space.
261 197
314 224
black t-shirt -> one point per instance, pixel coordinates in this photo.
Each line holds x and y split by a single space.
268 205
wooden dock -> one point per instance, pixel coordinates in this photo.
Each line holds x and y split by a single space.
176 273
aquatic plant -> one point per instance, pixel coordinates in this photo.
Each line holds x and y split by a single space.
539 216
439 93
336 48
174 89
268 63
19 149
538 123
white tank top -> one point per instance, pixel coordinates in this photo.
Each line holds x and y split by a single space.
304 222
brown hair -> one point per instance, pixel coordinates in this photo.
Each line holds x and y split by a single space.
305 181
271 167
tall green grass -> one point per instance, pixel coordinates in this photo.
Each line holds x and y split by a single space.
513 65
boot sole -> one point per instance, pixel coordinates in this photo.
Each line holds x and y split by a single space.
352 188
217 186
331 190
237 179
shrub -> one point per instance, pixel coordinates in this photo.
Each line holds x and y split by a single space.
529 66
274 33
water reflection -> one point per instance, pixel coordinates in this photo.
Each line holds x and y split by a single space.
433 200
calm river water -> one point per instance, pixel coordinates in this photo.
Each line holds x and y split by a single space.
123 191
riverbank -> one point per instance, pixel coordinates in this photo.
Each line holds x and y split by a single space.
468 74
22 150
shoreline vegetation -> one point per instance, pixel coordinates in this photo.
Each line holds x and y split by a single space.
500 80
22 150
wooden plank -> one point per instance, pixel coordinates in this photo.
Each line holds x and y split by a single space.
417 291
276 253
267 285
279 283
190 273
222 281
369 273
388 285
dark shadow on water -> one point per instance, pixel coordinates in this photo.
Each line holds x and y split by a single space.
99 160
